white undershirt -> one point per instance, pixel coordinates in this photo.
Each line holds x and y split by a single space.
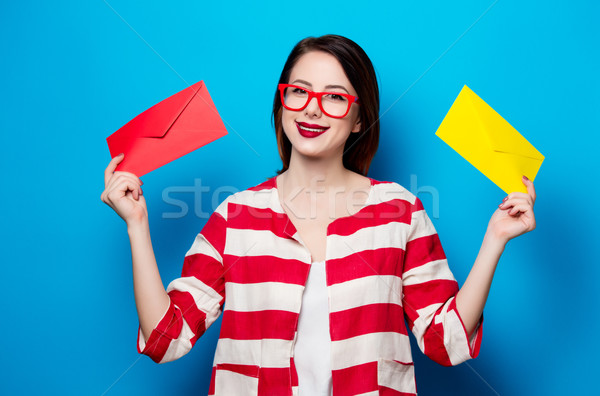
312 353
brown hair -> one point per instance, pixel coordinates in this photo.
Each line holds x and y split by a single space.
360 147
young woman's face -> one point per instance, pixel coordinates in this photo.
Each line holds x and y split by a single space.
312 133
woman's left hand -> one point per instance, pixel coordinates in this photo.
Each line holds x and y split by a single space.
514 215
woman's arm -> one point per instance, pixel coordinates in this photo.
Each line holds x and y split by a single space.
123 193
151 298
514 217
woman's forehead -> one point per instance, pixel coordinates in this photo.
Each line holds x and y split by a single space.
320 70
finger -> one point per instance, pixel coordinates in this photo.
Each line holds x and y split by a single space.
129 174
119 177
137 193
511 202
516 194
121 189
112 165
517 209
516 197
530 188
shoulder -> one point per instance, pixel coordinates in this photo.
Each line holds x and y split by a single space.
391 200
385 191
260 196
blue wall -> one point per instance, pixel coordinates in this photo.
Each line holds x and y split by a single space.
72 73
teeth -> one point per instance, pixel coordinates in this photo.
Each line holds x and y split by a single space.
312 129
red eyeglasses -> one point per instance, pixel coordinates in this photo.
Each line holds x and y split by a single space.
332 104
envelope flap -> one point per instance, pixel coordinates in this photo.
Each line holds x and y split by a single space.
514 143
501 135
158 119
462 129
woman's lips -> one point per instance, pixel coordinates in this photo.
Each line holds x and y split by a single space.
310 130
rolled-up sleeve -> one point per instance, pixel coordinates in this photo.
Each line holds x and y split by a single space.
429 296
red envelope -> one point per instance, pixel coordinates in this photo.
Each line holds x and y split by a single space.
168 130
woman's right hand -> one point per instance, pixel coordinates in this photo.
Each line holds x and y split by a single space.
123 193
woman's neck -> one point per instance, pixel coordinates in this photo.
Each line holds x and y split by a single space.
310 173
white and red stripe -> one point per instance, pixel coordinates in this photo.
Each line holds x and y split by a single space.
384 264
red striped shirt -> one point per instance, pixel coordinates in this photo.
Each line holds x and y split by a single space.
384 265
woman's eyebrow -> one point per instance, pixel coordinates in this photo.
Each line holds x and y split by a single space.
337 86
301 82
326 87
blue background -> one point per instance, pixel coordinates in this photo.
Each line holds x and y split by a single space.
74 72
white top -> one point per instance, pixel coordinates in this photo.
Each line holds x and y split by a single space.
312 353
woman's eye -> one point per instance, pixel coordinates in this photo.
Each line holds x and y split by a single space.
336 97
299 91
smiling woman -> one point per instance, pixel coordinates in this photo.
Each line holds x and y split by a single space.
357 74
321 265
310 130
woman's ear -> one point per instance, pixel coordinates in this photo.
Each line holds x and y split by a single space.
357 126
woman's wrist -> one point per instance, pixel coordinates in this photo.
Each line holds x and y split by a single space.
137 226
494 244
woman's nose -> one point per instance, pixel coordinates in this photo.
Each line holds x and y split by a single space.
313 109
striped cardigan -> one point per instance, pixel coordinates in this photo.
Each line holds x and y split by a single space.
384 264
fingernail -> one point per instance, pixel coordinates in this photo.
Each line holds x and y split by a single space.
120 155
501 205
525 178
505 198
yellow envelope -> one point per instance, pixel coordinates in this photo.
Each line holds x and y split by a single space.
489 142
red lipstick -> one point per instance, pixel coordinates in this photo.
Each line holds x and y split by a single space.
310 130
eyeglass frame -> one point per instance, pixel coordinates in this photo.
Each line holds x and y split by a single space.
319 95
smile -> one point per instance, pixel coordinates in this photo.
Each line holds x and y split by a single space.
310 130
